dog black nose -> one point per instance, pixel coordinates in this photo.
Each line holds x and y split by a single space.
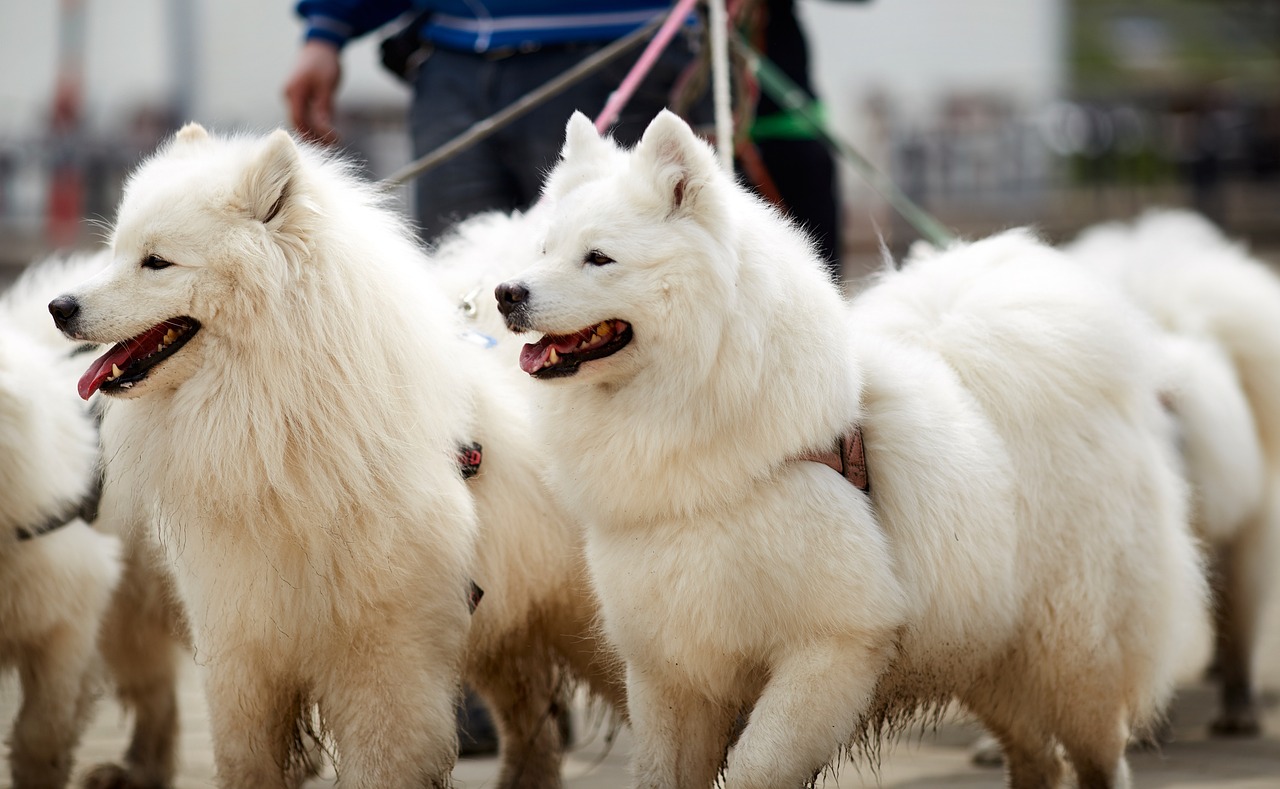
63 309
510 295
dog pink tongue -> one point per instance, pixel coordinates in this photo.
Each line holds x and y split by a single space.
534 355
100 370
121 354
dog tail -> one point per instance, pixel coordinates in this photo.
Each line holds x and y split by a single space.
1242 295
1248 326
1256 349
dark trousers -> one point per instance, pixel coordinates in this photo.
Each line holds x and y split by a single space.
505 172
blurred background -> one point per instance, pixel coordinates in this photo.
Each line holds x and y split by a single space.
990 113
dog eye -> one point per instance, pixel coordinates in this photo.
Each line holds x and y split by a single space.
157 263
597 258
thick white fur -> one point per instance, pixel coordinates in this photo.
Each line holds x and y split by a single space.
1221 309
1023 547
539 613
54 589
142 636
297 456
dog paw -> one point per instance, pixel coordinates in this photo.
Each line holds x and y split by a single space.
113 776
1159 735
986 752
1240 723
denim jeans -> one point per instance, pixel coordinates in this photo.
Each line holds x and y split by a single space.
453 90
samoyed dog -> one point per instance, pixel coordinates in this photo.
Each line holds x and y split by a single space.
535 638
57 574
1021 544
286 406
141 637
1221 309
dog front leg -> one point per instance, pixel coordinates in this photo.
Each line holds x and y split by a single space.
680 736
814 699
253 720
390 707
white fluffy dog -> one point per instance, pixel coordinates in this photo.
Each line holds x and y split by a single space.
1022 547
535 636
56 573
1222 310
288 400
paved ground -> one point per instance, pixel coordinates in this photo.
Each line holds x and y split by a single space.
934 759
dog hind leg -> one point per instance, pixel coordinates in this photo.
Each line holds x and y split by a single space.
1238 597
522 688
56 696
142 647
1095 733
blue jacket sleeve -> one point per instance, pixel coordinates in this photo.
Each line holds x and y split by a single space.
338 21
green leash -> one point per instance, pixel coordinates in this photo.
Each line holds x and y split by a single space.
801 107
788 125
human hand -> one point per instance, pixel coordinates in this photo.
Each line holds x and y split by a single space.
310 90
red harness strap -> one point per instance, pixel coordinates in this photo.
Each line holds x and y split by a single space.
847 457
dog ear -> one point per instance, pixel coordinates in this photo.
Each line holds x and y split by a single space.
584 157
581 140
267 184
190 133
678 164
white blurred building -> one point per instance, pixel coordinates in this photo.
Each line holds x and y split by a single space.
224 60
887 69
232 56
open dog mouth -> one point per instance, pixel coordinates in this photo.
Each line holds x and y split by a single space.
128 362
560 355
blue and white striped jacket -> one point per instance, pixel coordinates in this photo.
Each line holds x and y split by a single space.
484 25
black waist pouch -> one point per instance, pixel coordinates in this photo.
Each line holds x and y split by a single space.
404 51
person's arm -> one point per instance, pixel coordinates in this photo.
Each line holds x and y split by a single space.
317 72
310 89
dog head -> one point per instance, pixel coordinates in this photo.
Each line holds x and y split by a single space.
632 267
205 226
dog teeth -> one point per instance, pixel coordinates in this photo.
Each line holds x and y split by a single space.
159 347
170 336
553 357
604 329
116 372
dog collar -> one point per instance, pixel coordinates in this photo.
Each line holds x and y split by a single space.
846 456
469 457
86 510
50 524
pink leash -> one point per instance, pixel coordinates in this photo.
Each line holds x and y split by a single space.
619 98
